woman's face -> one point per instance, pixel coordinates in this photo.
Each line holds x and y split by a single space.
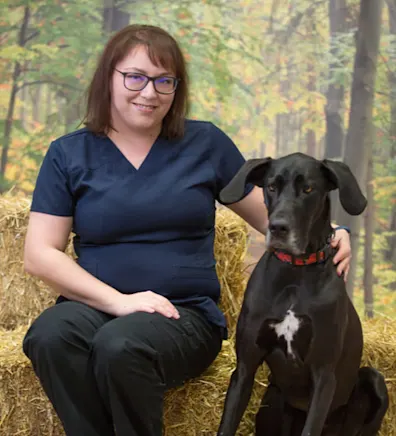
140 111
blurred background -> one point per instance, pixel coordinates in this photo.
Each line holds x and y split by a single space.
279 76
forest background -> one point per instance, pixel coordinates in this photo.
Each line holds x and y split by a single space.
279 76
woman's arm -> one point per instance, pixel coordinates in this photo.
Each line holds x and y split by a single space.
253 210
44 257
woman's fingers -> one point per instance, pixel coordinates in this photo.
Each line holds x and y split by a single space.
342 258
346 273
343 267
163 305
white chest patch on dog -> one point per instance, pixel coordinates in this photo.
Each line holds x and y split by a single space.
287 328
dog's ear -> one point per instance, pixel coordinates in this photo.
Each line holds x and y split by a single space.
252 171
340 176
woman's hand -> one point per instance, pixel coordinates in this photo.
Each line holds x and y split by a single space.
342 241
145 301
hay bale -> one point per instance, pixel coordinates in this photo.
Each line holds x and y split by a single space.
24 408
230 249
23 297
191 410
380 352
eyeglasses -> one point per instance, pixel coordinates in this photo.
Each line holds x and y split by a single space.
138 81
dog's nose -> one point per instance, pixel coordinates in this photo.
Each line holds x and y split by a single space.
279 228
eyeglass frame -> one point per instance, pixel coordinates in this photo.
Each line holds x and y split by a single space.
149 79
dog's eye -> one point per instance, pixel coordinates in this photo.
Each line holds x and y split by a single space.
307 189
271 187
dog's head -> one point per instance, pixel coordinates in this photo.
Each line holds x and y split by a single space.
296 191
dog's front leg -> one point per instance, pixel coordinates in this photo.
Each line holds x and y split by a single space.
240 389
324 382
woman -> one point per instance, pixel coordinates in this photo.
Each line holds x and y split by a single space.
137 313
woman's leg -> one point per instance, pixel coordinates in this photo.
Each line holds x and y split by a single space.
138 356
59 345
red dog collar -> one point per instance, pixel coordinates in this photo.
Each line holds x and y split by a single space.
318 257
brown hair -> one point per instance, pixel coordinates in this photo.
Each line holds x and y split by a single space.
163 50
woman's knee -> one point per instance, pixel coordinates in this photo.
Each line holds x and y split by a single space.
53 328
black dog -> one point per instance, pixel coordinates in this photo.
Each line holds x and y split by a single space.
296 315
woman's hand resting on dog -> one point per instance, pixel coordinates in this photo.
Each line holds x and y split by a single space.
342 259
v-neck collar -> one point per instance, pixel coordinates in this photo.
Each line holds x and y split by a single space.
146 161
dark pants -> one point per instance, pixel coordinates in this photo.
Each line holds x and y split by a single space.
107 375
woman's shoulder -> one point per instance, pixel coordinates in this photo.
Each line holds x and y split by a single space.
209 130
79 149
193 125
76 138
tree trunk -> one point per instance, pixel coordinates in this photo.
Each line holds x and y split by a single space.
263 149
311 143
278 129
114 18
11 105
336 92
24 105
368 237
301 139
60 109
48 104
390 254
311 86
311 135
36 103
362 95
335 96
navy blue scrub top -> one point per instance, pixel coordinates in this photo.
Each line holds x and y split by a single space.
150 228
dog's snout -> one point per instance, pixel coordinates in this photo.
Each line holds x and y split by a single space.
279 228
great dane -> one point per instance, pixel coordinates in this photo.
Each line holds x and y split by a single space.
296 314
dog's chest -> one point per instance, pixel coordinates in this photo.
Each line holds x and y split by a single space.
287 329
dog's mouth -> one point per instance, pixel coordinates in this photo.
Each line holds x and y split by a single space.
290 244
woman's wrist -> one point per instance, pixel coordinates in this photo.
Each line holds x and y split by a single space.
342 228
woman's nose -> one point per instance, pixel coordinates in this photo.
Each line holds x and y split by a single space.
149 90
